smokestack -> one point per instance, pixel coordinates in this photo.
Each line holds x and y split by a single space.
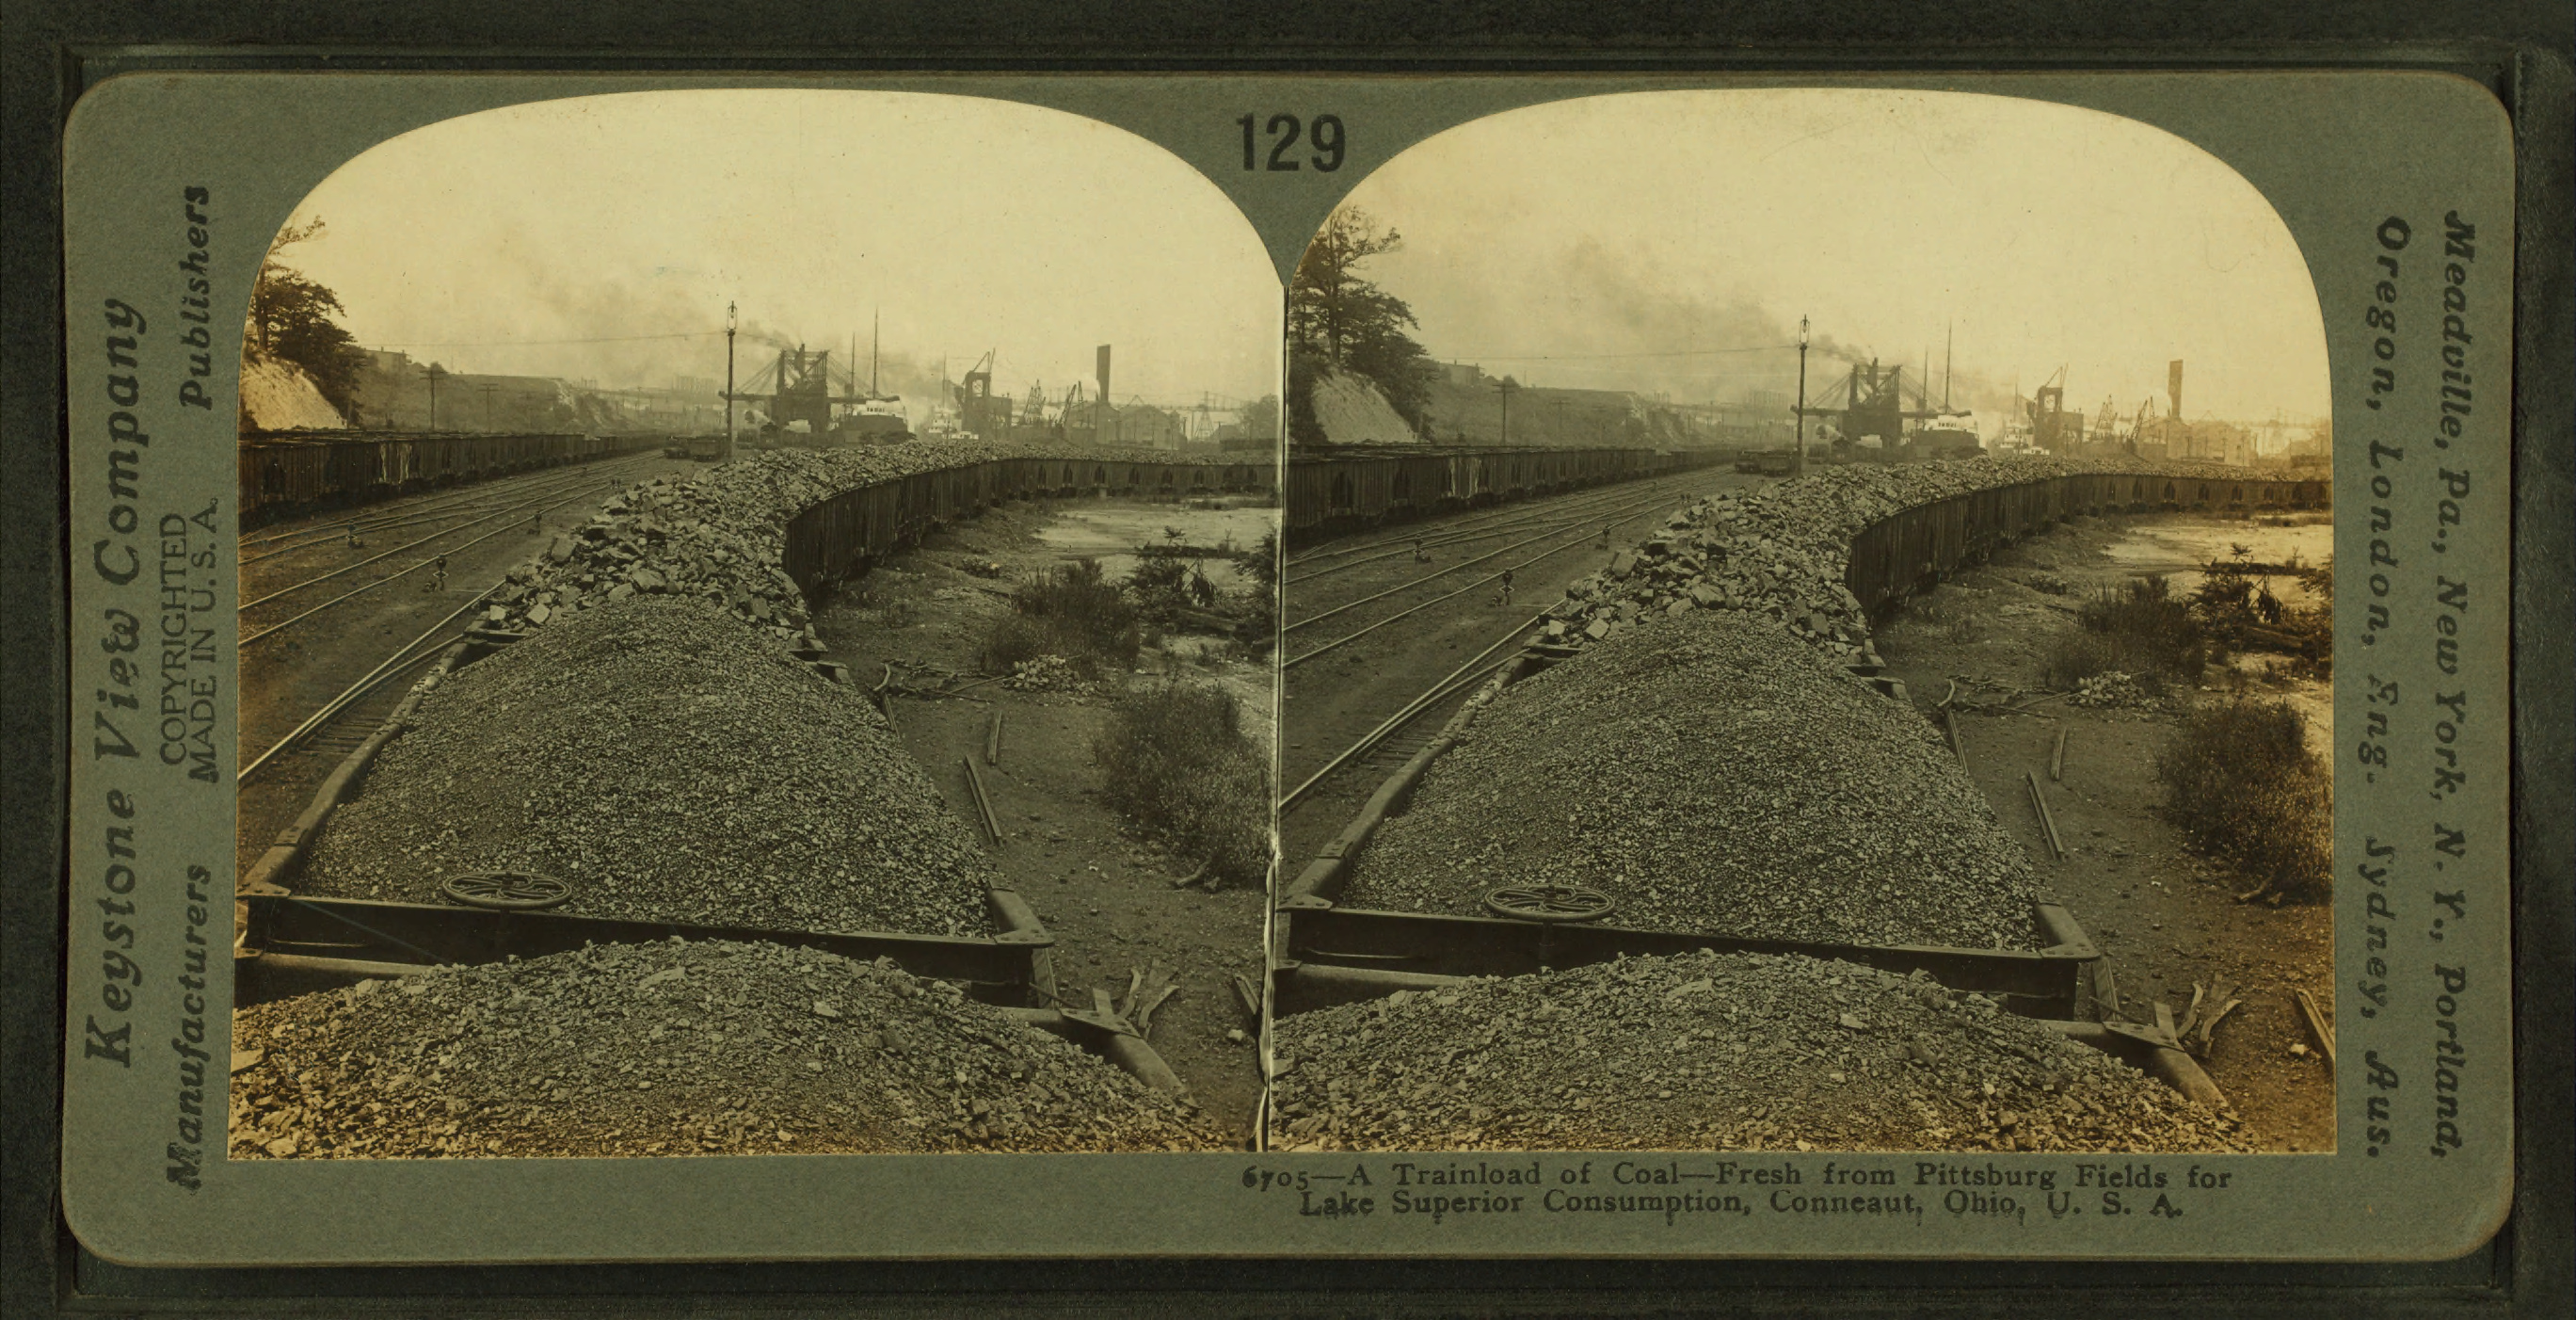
2173 387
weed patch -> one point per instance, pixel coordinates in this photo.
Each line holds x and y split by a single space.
1073 612
1175 759
2138 629
2242 786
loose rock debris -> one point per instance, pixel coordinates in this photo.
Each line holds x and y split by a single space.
675 1049
1710 775
672 766
2114 689
1711 1051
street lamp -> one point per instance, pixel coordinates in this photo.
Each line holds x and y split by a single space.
729 324
1800 467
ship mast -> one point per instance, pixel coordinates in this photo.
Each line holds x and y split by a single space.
1948 335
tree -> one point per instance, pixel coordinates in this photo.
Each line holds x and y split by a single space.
294 319
1260 418
1340 321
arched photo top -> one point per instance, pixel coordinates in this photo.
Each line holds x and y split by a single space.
1669 243
600 239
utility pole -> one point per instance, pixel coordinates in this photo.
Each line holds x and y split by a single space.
435 371
1503 388
1799 468
729 324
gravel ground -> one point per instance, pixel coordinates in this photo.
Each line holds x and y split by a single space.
1714 1052
719 536
672 766
674 1049
1780 552
1710 775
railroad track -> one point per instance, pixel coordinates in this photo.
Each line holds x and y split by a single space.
1625 511
1628 513
508 517
340 724
440 506
1403 735
1480 525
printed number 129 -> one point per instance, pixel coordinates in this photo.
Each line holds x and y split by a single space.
1284 130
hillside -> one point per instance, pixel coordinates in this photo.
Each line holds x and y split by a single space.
1352 411
278 396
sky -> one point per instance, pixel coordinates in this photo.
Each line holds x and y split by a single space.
1566 243
479 242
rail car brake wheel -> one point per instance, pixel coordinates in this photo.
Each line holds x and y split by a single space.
508 891
1548 903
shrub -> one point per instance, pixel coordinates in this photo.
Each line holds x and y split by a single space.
1159 586
2137 629
2236 608
1175 759
2243 786
1073 612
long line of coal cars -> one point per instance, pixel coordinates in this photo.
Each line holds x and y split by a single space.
842 535
1908 550
289 472
1331 490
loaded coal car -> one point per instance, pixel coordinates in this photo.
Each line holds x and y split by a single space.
1338 488
1916 548
283 473
842 536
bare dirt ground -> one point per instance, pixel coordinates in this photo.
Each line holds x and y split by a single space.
2165 919
289 675
1104 891
1328 703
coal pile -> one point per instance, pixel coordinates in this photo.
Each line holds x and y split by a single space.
717 537
1780 553
1713 1051
709 1048
1710 775
672 766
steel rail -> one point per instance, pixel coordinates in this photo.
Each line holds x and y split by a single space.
408 505
360 591
1448 686
514 509
1626 509
1338 642
539 483
373 679
1577 507
1478 517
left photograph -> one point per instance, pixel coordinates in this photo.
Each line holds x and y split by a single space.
756 613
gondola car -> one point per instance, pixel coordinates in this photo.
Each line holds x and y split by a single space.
289 472
1336 489
1909 551
840 537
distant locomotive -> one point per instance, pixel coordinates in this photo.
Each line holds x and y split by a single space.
1342 487
288 472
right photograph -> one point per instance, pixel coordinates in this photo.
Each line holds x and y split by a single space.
1807 625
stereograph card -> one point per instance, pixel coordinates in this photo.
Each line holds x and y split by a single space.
915 665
